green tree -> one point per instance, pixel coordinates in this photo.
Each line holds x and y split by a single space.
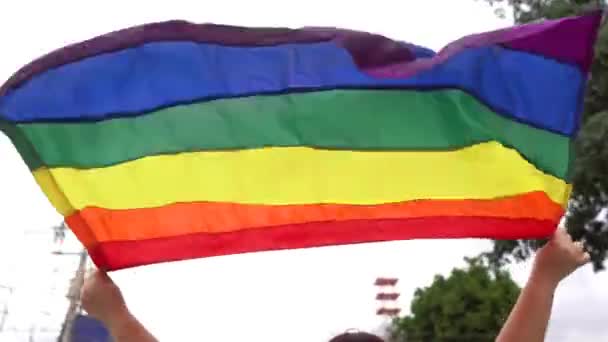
469 305
590 176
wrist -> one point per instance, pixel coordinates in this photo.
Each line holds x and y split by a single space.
117 319
543 281
125 327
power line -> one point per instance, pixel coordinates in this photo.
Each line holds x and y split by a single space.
57 236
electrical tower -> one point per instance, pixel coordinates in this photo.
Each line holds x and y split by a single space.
387 296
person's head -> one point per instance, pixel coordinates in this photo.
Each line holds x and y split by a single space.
356 337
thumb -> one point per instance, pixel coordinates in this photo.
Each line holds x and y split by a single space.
585 259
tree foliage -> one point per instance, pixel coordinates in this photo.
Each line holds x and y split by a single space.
525 11
469 305
590 175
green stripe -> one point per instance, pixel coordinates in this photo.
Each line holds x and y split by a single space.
339 119
25 149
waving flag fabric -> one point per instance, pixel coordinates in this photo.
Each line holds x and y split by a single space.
172 140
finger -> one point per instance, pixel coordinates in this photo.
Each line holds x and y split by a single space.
567 236
580 247
89 272
101 275
561 232
586 258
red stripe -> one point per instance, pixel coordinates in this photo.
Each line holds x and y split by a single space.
116 255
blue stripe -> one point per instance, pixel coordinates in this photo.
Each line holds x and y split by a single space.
528 88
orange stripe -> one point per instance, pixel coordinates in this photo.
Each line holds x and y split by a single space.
93 225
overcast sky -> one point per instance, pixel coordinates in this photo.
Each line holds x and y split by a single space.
298 296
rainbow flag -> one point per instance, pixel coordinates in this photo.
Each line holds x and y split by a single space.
173 141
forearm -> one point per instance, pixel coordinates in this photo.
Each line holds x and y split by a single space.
124 327
529 318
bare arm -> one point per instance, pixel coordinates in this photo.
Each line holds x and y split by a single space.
529 318
125 327
102 299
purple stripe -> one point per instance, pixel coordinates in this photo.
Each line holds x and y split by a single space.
567 40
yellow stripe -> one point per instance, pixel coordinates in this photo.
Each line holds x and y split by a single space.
300 175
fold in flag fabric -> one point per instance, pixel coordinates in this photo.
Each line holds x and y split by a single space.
173 140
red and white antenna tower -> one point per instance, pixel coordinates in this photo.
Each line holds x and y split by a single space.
387 296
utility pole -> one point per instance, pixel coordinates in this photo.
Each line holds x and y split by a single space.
73 296
5 307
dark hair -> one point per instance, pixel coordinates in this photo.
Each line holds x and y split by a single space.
356 337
